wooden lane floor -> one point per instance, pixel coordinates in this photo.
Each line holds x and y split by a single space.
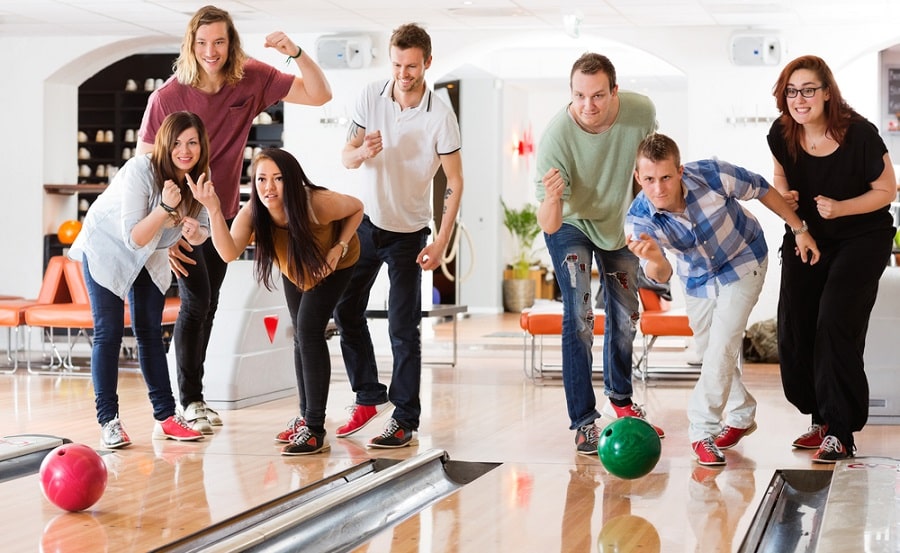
544 497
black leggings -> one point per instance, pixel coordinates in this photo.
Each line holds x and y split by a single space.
823 317
310 312
199 293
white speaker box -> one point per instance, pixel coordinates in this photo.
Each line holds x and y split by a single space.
344 51
755 50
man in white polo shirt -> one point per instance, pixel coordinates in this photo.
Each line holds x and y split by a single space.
401 133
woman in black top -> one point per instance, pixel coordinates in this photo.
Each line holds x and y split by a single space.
833 167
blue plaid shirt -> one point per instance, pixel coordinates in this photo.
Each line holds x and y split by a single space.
716 240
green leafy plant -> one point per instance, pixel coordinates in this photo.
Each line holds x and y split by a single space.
522 224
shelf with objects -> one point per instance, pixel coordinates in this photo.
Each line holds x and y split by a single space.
110 108
267 132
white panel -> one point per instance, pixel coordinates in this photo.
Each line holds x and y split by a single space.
755 50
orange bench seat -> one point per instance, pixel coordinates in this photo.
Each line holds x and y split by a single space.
545 319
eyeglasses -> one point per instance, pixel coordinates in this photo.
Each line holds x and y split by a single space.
807 92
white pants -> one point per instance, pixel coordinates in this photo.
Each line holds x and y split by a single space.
719 397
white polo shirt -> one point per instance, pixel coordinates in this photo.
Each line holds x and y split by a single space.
397 191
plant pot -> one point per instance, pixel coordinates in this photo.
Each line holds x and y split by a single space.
518 293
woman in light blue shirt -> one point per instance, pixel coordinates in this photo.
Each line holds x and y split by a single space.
123 246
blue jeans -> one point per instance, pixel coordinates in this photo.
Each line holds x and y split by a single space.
310 312
199 293
572 254
108 311
398 250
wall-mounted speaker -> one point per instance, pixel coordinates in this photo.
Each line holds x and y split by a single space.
344 51
757 49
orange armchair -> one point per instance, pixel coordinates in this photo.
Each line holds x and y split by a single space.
76 315
12 310
658 320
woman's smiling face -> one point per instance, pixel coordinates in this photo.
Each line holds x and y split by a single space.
807 110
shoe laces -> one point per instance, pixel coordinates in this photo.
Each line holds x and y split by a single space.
295 423
179 420
113 430
638 411
591 433
724 432
831 444
815 429
390 428
301 436
710 446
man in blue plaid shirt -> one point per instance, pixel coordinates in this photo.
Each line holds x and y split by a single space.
694 212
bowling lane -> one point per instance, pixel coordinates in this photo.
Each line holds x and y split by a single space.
544 497
553 507
154 496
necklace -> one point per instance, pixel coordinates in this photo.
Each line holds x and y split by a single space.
812 145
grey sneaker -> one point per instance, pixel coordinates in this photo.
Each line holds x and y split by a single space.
212 415
586 439
113 436
195 416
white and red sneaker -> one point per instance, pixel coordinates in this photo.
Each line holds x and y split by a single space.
731 435
360 416
707 453
631 410
813 438
286 435
175 428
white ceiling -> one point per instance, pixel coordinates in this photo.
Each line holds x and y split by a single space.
168 17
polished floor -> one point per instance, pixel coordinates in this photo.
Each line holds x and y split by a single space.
543 497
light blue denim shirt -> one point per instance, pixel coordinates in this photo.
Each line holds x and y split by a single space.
105 238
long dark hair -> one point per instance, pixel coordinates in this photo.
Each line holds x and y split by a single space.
838 113
305 259
161 160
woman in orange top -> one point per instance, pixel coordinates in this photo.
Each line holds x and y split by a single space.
309 233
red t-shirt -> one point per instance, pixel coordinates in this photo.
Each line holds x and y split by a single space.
227 114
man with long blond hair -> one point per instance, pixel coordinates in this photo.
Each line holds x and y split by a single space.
215 79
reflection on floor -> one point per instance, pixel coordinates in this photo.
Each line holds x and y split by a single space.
543 497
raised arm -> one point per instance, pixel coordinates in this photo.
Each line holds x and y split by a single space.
312 88
549 213
360 147
229 243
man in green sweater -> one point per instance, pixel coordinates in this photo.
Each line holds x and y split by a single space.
585 163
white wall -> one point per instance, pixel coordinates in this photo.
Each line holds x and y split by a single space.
39 117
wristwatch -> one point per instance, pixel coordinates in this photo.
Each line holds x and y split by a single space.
803 228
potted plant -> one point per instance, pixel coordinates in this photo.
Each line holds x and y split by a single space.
522 224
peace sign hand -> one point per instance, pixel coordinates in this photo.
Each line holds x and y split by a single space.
204 192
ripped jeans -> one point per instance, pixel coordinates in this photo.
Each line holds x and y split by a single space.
572 254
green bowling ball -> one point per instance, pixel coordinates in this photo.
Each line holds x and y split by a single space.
629 448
